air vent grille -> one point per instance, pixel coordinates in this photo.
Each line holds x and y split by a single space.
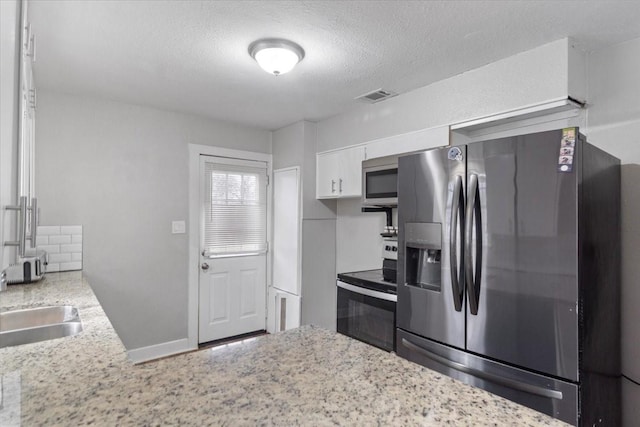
376 96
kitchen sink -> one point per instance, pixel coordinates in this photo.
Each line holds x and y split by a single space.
19 327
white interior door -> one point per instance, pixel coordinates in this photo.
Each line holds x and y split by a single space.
233 247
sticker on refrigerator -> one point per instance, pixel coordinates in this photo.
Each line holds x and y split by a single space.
455 153
567 147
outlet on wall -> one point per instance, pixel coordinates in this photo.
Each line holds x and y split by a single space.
178 227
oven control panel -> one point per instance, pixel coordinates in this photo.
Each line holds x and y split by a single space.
390 249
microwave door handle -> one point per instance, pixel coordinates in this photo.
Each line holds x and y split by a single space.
457 212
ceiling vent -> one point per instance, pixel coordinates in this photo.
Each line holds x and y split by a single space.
376 96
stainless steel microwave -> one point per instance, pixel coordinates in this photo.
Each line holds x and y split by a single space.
380 182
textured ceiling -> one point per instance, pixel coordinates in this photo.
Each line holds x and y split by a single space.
191 56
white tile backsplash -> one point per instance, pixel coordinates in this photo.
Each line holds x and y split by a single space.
46 230
56 258
74 247
71 229
51 249
61 239
74 265
63 244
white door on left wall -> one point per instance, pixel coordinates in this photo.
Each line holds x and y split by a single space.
233 247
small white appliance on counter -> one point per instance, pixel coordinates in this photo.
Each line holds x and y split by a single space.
29 268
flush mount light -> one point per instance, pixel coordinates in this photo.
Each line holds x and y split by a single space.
276 56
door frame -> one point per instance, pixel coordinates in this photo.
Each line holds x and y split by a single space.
195 151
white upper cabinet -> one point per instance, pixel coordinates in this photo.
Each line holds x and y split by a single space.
339 173
327 175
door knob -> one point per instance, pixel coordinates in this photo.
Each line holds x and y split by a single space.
204 266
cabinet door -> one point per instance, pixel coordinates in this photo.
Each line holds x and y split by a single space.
327 175
350 167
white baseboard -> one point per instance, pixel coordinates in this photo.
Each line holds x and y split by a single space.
156 351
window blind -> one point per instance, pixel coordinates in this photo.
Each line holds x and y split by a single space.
235 209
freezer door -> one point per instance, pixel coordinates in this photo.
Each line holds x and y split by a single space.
551 396
522 254
430 217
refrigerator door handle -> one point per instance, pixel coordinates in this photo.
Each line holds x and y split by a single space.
457 209
472 278
487 376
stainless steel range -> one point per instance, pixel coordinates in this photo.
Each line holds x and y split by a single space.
367 308
390 259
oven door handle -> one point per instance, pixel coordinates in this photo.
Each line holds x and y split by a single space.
368 292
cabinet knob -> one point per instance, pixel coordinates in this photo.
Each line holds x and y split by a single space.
204 266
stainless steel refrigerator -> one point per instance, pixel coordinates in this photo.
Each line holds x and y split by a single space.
509 270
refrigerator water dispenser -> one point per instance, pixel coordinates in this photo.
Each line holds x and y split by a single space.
423 248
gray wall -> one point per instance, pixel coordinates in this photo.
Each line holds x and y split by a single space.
530 77
121 171
295 145
613 123
9 112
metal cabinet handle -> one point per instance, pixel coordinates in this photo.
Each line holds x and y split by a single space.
340 186
33 100
457 273
34 221
333 185
22 230
33 48
27 38
21 208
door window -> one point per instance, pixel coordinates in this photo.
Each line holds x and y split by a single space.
235 210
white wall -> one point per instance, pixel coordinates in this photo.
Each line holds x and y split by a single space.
9 112
613 123
288 146
358 235
530 77
121 171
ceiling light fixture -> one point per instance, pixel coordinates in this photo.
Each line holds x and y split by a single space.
276 56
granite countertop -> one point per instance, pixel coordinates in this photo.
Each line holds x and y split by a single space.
306 376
